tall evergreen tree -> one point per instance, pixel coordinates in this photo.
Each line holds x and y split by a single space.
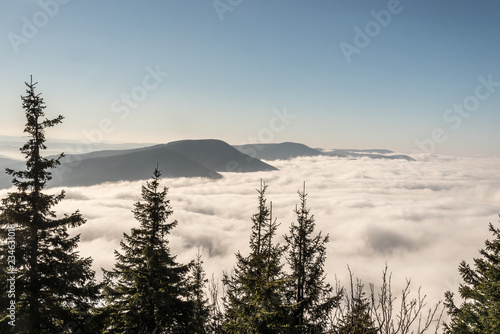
307 288
201 309
147 290
480 308
255 289
54 287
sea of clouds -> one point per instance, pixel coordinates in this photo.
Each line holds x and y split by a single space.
421 218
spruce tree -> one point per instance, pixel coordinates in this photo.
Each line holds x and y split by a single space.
254 300
201 309
147 290
307 289
479 311
358 320
355 312
55 289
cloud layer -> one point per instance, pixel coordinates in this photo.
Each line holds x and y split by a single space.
421 218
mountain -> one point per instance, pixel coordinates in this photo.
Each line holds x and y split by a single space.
281 151
6 180
359 154
4 161
219 156
213 154
186 158
138 165
289 150
378 151
69 158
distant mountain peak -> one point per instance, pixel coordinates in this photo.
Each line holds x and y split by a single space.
219 156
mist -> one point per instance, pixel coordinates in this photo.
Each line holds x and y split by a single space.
421 218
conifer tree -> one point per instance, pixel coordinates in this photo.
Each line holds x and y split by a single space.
201 310
307 288
54 288
255 289
147 290
355 313
480 308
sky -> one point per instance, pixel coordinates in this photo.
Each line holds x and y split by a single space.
421 218
412 76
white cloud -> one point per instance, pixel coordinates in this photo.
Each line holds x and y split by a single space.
421 217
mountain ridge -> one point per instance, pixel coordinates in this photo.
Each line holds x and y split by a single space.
182 158
287 150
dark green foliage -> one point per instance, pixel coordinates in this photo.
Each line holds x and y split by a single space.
201 309
55 289
307 289
147 290
480 308
356 311
255 289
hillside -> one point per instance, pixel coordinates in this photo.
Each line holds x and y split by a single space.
282 151
219 156
134 166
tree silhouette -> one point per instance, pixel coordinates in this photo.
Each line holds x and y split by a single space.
147 290
55 288
201 308
255 289
307 287
480 308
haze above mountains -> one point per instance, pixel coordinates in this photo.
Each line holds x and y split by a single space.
185 158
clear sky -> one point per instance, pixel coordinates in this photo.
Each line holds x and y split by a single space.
350 74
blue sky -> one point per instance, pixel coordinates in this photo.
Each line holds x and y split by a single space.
235 64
